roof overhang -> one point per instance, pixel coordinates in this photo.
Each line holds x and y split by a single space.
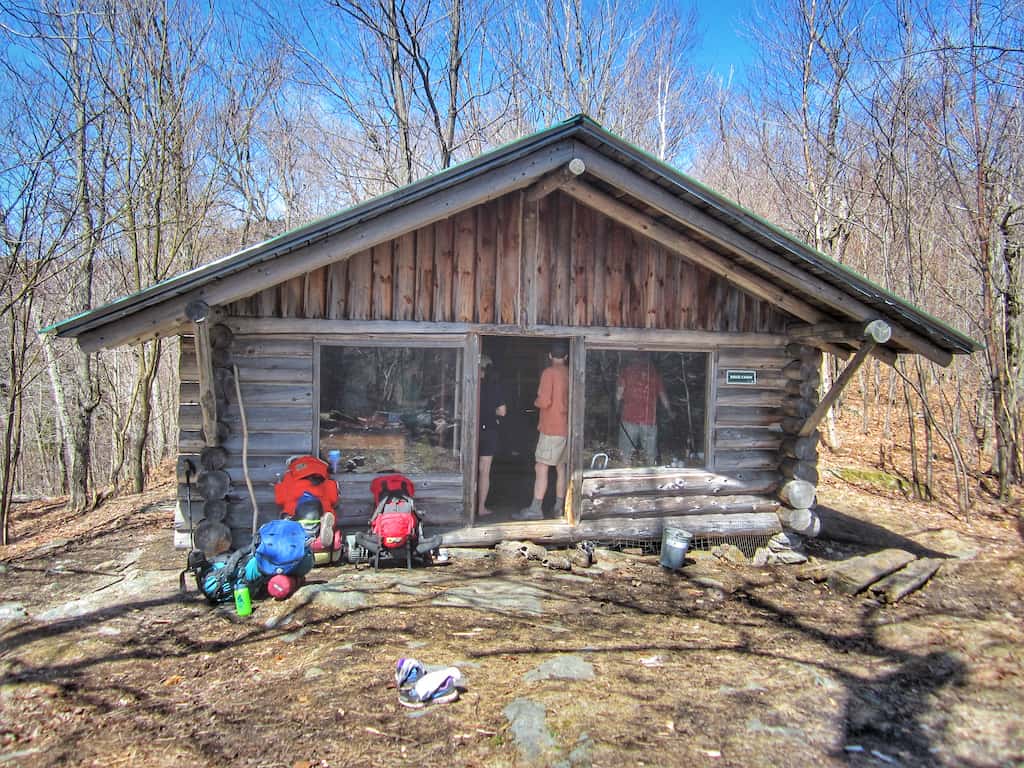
815 289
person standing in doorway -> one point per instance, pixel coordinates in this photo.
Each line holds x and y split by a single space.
638 391
553 404
492 411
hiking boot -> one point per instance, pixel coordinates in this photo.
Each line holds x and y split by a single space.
327 531
436 687
428 544
532 512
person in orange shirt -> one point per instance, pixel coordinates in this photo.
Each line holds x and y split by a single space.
553 403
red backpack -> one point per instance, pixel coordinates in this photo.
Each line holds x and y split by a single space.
306 474
394 519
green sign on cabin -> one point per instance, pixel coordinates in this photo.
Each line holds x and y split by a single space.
741 377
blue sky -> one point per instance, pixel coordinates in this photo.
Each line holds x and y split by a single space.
724 44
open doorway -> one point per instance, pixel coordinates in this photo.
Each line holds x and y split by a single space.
516 365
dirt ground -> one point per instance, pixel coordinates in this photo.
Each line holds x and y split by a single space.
720 664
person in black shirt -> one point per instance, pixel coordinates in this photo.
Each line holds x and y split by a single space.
492 410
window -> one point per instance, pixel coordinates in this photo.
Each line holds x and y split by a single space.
645 409
396 406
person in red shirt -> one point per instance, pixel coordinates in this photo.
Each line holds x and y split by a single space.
553 403
638 391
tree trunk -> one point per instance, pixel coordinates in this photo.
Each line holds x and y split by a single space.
149 362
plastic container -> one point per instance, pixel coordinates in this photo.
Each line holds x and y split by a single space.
243 600
334 459
674 544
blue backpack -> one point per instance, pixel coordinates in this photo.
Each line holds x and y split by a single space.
281 547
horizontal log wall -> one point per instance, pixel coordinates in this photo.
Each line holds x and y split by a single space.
556 263
276 379
747 433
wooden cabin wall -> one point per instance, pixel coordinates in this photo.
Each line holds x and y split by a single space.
276 376
584 270
552 262
747 432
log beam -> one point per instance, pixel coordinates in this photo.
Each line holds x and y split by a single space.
878 330
558 532
555 180
684 482
648 506
614 338
198 312
837 388
826 335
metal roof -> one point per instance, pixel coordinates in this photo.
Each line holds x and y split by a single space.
579 128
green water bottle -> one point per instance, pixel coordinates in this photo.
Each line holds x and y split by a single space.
243 601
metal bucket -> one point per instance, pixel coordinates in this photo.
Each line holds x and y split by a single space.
674 543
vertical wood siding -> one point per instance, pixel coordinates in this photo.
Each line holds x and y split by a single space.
584 270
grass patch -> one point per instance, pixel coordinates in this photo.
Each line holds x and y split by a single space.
879 479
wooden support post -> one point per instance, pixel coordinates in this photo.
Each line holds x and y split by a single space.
470 421
528 265
199 313
577 385
837 387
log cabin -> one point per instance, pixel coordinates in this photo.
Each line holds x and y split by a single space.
364 332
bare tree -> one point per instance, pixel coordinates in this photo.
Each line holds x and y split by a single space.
163 192
32 231
981 133
628 71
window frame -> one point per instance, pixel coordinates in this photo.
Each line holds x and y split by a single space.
711 355
459 342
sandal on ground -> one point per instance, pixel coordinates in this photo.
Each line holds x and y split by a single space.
407 672
438 687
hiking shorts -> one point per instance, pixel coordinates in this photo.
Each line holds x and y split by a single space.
488 440
551 449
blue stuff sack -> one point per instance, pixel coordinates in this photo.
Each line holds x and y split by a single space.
281 547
